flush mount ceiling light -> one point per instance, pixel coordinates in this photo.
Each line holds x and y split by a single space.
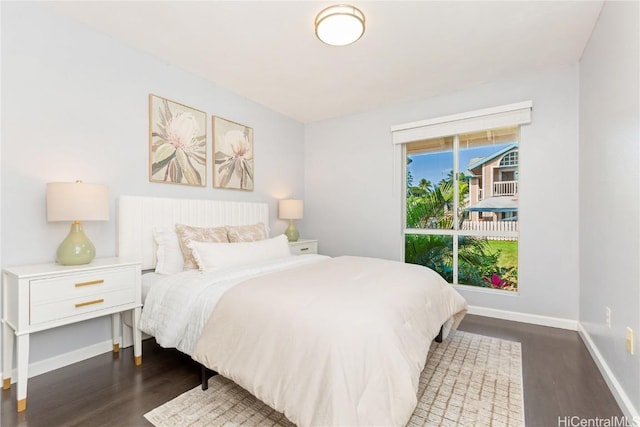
340 25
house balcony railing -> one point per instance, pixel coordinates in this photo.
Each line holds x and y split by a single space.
505 188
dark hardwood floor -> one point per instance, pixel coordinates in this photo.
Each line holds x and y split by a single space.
560 379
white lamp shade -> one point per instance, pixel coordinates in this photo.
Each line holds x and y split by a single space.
77 201
340 25
290 209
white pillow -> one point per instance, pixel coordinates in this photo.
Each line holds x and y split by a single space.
215 256
169 259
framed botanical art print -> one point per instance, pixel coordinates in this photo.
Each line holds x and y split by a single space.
177 143
232 155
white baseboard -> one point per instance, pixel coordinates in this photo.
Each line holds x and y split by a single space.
618 392
535 319
64 359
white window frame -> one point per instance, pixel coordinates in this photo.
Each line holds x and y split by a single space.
454 125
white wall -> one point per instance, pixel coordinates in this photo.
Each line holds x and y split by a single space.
609 190
75 106
356 209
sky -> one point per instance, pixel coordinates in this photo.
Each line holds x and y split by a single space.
436 166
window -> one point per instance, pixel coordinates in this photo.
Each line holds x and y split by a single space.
510 159
461 200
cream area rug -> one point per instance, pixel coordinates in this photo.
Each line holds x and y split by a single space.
469 380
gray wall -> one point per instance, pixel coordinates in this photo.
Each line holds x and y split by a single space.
75 106
609 190
356 209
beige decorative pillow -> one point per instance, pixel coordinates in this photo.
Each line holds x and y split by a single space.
246 233
187 233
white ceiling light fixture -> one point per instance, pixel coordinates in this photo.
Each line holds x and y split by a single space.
340 25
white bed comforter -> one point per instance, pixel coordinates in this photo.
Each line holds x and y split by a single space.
340 341
177 307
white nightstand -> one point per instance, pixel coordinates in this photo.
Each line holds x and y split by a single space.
40 297
304 246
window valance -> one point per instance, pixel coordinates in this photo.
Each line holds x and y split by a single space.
472 121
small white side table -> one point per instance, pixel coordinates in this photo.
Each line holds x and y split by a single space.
304 246
45 296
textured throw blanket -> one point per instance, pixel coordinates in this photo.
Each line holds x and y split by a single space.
337 342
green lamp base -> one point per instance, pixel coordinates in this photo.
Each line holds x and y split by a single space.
76 248
292 232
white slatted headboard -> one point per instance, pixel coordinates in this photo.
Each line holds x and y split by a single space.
137 216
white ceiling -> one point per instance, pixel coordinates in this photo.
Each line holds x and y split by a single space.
267 50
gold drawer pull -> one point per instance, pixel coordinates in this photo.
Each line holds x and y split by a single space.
304 249
93 282
95 301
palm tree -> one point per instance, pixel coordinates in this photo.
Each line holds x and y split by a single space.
426 185
447 180
476 260
409 175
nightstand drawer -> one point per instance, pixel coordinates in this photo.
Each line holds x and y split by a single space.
78 286
304 247
61 309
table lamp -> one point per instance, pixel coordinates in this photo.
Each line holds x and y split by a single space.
75 202
290 209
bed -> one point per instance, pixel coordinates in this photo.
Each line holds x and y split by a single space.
326 341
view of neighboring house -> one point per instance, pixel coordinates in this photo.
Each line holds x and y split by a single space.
493 186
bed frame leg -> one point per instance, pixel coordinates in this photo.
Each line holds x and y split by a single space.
204 379
438 338
204 376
